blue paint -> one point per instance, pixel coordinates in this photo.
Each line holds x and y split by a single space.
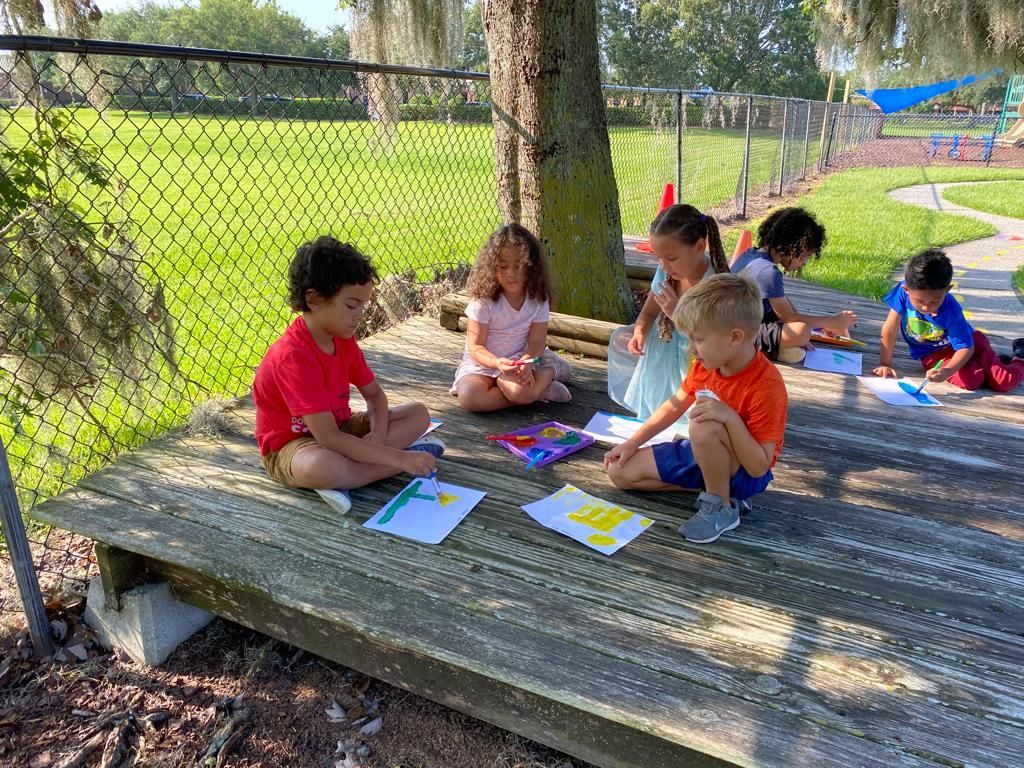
916 393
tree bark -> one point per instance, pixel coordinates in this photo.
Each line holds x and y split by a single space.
554 164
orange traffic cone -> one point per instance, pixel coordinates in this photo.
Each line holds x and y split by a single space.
744 244
668 199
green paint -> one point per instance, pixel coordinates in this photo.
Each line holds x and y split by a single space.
571 438
839 358
401 500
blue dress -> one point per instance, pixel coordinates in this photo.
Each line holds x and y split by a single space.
643 383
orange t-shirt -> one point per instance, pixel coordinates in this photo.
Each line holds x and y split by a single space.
757 394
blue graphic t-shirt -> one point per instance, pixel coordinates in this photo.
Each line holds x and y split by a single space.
758 266
926 333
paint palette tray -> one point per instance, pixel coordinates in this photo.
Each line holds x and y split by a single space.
554 441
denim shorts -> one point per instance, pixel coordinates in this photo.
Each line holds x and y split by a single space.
677 465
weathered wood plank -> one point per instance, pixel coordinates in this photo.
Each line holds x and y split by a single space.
690 653
120 570
241 480
417 641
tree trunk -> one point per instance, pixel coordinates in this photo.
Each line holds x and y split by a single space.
554 163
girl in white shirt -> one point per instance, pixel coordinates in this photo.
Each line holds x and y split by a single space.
506 361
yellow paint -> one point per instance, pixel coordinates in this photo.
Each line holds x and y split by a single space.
988 258
968 314
600 518
446 498
553 432
1000 253
954 285
983 330
600 540
972 265
645 522
958 298
959 273
565 491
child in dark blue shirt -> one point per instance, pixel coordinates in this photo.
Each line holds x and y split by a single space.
933 324
788 238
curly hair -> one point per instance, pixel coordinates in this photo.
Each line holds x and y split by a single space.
930 270
483 279
325 265
687 225
791 232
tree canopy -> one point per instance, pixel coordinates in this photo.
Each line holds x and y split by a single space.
935 36
762 46
239 25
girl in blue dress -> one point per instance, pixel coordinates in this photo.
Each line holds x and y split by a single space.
688 246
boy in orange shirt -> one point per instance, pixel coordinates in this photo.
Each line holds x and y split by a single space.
738 417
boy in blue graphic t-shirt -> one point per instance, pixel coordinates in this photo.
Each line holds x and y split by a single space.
936 331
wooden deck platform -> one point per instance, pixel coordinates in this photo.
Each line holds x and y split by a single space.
869 612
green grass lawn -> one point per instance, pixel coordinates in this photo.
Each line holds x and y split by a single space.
1018 280
1004 198
219 206
870 235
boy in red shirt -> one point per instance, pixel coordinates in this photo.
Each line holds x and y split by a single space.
308 435
738 417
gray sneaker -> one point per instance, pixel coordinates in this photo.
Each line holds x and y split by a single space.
713 518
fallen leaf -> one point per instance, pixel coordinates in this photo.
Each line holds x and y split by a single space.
371 727
78 651
336 713
371 705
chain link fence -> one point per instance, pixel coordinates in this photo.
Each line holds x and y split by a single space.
871 139
151 199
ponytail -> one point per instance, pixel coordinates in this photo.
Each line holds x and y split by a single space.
688 225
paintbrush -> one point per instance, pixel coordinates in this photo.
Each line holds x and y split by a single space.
926 379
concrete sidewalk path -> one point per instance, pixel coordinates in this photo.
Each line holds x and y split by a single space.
983 269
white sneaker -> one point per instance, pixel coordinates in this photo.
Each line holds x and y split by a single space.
556 392
336 498
428 444
563 371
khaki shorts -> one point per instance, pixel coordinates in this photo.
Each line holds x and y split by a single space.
279 463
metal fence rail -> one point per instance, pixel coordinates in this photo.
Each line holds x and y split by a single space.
152 196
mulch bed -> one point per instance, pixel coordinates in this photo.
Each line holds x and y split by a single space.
227 697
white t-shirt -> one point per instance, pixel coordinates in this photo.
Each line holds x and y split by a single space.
507 328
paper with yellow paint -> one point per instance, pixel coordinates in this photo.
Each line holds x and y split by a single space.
595 522
416 513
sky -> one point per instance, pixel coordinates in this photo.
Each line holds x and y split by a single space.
318 14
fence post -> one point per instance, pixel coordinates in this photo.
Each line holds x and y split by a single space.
831 138
679 146
807 139
21 559
746 158
782 155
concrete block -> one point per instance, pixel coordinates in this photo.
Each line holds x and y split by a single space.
150 624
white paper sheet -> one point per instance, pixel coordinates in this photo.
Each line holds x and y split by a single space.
417 514
898 391
615 429
835 361
589 520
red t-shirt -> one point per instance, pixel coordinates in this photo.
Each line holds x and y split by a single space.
757 394
296 378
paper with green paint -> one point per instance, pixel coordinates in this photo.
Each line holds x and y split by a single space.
416 513
834 361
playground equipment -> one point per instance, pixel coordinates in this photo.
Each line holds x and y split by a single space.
960 144
1013 103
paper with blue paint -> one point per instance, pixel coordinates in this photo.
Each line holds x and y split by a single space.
418 513
834 361
898 391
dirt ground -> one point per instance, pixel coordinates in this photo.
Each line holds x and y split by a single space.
227 697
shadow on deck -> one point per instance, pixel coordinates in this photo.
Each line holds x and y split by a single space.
868 612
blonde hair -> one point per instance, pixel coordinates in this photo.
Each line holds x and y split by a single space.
720 302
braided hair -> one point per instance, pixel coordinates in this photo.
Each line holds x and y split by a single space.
687 225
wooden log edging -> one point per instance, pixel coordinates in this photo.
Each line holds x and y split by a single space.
578 335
